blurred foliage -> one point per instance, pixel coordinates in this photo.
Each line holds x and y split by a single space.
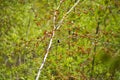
87 46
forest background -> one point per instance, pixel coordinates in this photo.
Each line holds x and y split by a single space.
85 47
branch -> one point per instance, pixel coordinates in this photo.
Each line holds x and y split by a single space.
61 21
55 13
94 54
53 33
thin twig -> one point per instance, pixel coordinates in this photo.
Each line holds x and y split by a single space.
55 13
95 47
61 21
53 33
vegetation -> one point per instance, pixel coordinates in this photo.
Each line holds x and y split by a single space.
85 47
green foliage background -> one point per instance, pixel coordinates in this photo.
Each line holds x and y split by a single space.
89 38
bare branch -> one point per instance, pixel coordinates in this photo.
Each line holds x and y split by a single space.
61 21
55 13
50 43
53 34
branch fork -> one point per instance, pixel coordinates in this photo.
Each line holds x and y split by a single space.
56 27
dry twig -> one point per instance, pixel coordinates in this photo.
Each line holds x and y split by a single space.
56 27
